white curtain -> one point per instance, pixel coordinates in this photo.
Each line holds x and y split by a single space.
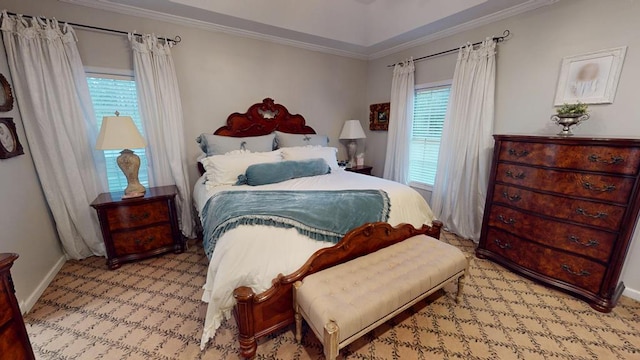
53 97
161 113
465 152
396 163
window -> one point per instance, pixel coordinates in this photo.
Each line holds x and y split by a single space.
111 93
430 108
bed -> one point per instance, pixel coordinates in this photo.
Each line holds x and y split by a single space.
248 254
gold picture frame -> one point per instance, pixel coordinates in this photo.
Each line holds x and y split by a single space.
9 143
379 116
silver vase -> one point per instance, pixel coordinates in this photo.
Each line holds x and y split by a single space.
567 121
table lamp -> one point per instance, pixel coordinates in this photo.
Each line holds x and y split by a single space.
119 132
352 130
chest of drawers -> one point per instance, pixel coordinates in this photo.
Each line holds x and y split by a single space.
562 211
14 341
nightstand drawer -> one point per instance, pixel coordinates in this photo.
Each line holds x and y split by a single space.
137 215
142 240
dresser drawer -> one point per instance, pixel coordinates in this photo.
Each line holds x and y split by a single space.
592 243
569 268
126 217
142 240
592 186
578 157
606 216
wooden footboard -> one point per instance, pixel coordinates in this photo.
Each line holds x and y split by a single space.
261 314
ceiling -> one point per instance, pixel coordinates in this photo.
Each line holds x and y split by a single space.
363 29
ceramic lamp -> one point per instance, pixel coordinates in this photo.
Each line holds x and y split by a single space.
119 132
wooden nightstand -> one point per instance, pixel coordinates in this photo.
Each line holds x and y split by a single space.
141 227
364 169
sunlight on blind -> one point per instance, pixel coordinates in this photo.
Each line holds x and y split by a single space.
109 95
430 108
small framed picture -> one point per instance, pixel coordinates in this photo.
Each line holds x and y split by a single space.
590 78
9 144
379 116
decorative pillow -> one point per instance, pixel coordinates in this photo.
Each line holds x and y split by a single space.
289 140
225 169
218 145
329 154
270 173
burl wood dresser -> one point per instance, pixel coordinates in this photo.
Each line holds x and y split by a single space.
14 341
562 210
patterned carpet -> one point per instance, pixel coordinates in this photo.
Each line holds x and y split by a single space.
152 310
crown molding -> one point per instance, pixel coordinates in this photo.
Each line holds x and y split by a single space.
179 20
203 25
500 15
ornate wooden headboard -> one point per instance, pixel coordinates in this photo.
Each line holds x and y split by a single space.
262 119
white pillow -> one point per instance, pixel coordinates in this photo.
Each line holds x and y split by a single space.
329 154
224 169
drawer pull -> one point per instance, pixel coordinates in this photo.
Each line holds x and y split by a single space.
505 246
143 216
514 152
510 174
511 221
604 188
142 242
567 268
590 243
615 160
513 198
599 215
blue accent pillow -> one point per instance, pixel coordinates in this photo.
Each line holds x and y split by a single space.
220 145
271 173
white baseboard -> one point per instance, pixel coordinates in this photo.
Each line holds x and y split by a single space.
26 305
632 293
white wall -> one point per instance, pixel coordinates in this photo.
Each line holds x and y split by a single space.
27 226
527 71
218 74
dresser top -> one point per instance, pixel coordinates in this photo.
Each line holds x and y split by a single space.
152 192
618 140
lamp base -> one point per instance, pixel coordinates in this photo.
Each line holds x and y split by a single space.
352 146
129 163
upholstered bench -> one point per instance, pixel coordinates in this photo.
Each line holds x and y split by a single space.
344 302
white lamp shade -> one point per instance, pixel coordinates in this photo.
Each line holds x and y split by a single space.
119 132
352 130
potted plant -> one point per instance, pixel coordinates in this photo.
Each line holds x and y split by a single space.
568 115
572 110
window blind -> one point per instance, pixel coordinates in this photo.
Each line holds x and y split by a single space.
108 95
430 108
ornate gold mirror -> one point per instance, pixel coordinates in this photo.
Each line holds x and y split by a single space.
6 97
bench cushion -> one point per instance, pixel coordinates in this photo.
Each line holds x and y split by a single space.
357 293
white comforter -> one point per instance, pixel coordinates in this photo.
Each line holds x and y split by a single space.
254 255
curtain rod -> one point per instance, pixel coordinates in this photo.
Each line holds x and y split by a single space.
497 39
175 40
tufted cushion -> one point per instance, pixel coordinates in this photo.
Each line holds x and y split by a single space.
359 292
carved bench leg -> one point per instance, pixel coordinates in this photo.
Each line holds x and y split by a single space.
461 281
296 308
330 343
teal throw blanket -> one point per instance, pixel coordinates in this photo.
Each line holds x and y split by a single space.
320 215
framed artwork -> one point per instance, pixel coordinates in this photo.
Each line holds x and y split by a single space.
590 78
9 144
379 116
6 97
